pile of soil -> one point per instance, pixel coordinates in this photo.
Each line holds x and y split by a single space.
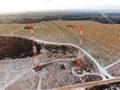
16 47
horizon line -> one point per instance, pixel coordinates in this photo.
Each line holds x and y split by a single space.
64 10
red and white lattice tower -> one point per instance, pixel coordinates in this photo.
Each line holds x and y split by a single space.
80 46
78 64
80 38
36 62
81 35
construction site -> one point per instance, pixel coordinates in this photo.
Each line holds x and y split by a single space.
29 63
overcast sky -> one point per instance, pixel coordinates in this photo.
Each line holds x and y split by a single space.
37 5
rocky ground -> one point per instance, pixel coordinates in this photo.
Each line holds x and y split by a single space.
56 74
114 70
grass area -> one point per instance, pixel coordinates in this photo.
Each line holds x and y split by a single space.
100 40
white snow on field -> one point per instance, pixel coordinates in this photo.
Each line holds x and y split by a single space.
12 69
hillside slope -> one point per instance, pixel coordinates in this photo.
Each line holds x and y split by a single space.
100 40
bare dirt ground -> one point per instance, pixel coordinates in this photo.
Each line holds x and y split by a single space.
102 41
